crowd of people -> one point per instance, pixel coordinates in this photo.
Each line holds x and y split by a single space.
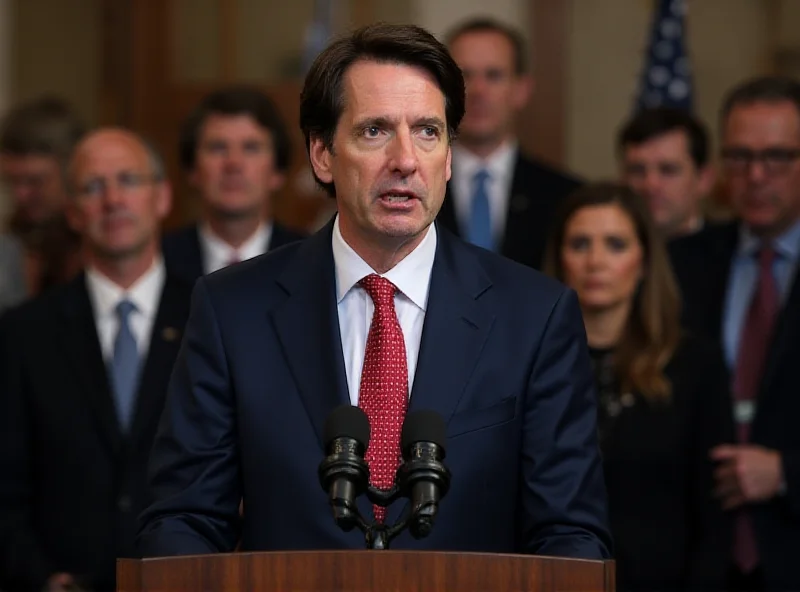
615 365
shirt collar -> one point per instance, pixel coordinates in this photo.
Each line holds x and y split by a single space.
499 163
786 245
411 275
144 293
252 247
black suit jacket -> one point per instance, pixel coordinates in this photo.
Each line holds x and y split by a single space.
183 254
702 265
72 483
669 532
536 190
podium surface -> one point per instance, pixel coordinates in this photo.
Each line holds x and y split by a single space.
364 571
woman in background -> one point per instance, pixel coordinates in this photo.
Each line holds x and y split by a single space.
664 398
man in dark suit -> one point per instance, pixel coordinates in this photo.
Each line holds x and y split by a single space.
740 286
274 345
498 198
83 375
664 157
235 150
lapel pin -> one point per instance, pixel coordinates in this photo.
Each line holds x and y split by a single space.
169 334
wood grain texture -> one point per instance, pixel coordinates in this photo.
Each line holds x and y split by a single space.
363 571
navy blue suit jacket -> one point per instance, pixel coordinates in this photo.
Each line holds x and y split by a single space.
503 358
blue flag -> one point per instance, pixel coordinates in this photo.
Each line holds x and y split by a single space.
318 32
666 78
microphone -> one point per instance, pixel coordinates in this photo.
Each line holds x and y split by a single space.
423 477
344 473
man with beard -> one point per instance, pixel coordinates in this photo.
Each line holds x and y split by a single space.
235 150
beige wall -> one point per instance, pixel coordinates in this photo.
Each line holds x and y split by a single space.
439 15
5 77
56 49
607 39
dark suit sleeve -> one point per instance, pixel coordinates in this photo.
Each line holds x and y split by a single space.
22 560
791 475
194 467
711 425
563 490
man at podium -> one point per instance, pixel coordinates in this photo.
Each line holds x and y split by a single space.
384 310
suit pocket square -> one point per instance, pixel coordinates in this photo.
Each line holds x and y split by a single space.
478 419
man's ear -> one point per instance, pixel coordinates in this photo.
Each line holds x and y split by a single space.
321 159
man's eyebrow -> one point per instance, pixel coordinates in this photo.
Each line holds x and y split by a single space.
432 122
383 121
379 121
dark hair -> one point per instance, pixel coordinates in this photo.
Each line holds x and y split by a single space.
652 332
322 98
765 89
653 123
47 126
232 101
489 25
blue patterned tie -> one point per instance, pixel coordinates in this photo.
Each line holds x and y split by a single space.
125 366
479 231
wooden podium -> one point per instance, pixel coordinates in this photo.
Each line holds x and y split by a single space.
363 571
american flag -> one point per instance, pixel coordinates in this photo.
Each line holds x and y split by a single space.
318 32
666 78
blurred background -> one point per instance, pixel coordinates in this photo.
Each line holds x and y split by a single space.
145 63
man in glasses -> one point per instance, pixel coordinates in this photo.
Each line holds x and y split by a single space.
740 286
83 375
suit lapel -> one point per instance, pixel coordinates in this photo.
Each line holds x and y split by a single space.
454 333
307 325
165 340
81 347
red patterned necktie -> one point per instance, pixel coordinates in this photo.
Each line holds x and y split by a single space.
383 394
754 343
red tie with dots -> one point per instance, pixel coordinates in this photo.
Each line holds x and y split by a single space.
383 394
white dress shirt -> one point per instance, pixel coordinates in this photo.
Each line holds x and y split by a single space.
354 306
500 166
218 254
145 294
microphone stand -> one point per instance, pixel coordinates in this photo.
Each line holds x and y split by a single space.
379 536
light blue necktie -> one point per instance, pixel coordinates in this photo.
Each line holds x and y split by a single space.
125 366
479 231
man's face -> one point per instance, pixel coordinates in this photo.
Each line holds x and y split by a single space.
235 169
662 171
35 184
761 156
495 92
118 206
390 159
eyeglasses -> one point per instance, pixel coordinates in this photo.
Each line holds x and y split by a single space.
125 182
775 161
